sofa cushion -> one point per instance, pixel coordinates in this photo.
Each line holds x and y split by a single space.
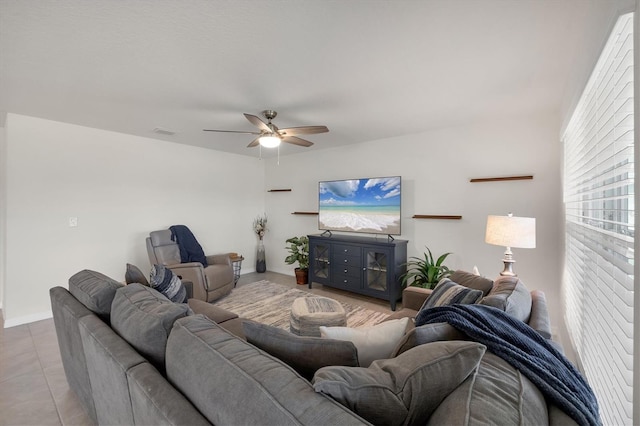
304 354
232 382
405 389
95 291
497 395
448 292
375 342
473 281
213 312
133 274
428 333
167 282
510 295
143 317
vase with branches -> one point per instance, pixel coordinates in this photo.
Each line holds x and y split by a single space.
260 228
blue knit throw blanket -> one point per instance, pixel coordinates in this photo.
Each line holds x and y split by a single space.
190 249
526 350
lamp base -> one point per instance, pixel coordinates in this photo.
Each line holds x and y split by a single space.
508 268
508 264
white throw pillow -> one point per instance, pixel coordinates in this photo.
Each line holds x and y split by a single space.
375 342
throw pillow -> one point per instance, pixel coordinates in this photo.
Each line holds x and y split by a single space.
510 295
95 291
403 390
133 274
435 332
448 292
166 282
144 318
376 342
304 354
499 394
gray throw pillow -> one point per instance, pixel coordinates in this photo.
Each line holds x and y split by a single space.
304 354
448 292
428 333
168 283
498 395
95 291
133 274
510 295
144 318
402 390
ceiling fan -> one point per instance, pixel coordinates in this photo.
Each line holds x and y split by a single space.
270 135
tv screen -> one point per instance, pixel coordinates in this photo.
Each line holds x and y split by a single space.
360 205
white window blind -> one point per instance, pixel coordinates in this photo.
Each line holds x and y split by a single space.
599 208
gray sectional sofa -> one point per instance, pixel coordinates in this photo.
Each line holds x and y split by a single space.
134 357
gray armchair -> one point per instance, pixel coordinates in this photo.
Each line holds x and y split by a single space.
209 284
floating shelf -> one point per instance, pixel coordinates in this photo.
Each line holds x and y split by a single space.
432 216
306 213
279 190
498 179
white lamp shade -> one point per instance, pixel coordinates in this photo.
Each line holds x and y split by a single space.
269 141
509 231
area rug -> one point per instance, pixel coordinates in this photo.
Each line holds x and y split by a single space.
269 303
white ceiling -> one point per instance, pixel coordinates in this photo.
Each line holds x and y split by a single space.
367 69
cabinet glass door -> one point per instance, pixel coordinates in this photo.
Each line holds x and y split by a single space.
320 261
376 273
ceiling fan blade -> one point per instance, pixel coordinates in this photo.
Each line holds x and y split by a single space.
304 130
231 131
257 122
297 141
255 142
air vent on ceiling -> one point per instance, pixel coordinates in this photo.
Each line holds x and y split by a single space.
165 132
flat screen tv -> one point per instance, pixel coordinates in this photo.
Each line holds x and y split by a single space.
370 205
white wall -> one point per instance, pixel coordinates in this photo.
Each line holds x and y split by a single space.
436 167
119 187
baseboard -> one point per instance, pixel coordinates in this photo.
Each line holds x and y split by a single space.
13 322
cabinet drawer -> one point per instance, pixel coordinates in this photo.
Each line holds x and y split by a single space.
340 261
340 250
346 281
340 271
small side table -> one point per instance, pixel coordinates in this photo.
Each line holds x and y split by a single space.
236 261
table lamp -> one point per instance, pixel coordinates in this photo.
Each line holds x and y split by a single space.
509 231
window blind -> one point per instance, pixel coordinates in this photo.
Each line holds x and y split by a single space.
599 226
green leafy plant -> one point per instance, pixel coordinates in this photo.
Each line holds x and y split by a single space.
425 272
299 251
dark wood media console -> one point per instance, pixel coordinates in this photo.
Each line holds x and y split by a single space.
365 265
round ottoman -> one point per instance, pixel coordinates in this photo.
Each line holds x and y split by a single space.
309 313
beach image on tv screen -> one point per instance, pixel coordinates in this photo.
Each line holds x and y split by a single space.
360 205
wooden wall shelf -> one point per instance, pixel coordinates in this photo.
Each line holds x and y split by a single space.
306 213
279 190
499 179
432 216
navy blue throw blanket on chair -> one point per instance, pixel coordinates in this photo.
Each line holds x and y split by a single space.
526 350
190 249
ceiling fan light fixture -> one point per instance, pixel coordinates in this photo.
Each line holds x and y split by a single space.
270 141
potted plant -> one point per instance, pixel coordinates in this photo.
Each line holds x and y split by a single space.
425 272
299 252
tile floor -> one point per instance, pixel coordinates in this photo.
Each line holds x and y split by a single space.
33 387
